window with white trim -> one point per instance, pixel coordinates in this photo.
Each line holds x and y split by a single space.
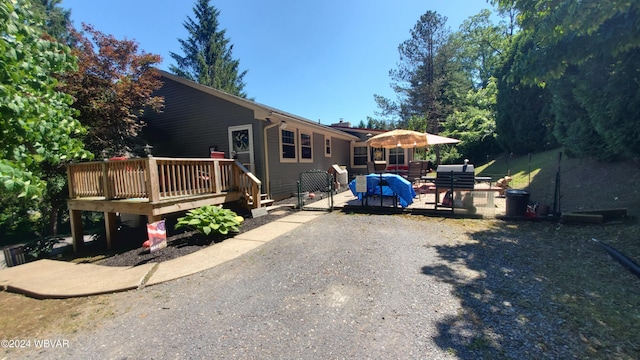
306 147
360 154
288 146
396 156
327 146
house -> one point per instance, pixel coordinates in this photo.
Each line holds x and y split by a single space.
362 153
275 146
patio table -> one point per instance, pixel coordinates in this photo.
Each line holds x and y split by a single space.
394 185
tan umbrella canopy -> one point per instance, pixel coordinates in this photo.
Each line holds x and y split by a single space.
398 138
407 139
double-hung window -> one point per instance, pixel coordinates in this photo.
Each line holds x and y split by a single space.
306 147
296 145
327 146
288 146
360 154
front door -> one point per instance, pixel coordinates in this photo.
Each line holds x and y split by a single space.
241 145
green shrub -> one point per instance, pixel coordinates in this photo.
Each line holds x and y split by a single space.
41 248
211 219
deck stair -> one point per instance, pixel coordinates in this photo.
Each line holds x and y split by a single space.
264 200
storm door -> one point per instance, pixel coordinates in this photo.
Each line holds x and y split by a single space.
241 145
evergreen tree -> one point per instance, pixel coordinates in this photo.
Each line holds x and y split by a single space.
422 70
208 56
56 19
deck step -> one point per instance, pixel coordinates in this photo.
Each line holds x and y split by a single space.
264 200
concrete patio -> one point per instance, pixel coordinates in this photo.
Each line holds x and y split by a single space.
486 201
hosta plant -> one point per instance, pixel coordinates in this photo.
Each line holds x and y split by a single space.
211 220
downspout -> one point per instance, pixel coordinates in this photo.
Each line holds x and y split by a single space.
621 258
266 157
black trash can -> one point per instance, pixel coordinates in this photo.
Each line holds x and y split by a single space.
517 201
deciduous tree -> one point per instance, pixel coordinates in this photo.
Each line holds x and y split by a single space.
112 88
36 118
480 42
523 122
586 53
474 123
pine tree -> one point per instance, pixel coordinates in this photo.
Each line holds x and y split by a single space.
56 19
208 56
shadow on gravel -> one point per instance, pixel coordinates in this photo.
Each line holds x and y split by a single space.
537 290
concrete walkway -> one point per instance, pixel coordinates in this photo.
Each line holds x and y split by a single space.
61 279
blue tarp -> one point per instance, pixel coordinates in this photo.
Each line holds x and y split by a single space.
396 185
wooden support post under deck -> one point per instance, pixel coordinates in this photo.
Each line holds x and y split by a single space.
153 218
76 229
111 226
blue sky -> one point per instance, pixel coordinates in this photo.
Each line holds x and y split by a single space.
322 59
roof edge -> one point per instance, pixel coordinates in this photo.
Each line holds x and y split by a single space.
261 112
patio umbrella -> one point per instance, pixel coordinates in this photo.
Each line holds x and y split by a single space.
408 139
398 138
433 139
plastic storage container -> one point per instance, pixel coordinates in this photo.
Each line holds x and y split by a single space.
217 154
516 202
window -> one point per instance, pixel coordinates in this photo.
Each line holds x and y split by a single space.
288 144
327 146
306 147
378 154
360 155
396 156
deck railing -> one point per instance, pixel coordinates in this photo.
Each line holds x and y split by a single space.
160 179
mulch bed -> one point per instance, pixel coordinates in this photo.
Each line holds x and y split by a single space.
129 251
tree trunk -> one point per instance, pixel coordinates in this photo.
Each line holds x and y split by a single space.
53 220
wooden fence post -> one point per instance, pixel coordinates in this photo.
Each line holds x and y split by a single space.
106 183
217 177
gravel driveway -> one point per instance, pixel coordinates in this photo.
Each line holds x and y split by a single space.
339 287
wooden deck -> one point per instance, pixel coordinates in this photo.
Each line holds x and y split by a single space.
154 187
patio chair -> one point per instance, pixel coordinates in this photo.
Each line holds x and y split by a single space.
427 167
414 174
376 167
